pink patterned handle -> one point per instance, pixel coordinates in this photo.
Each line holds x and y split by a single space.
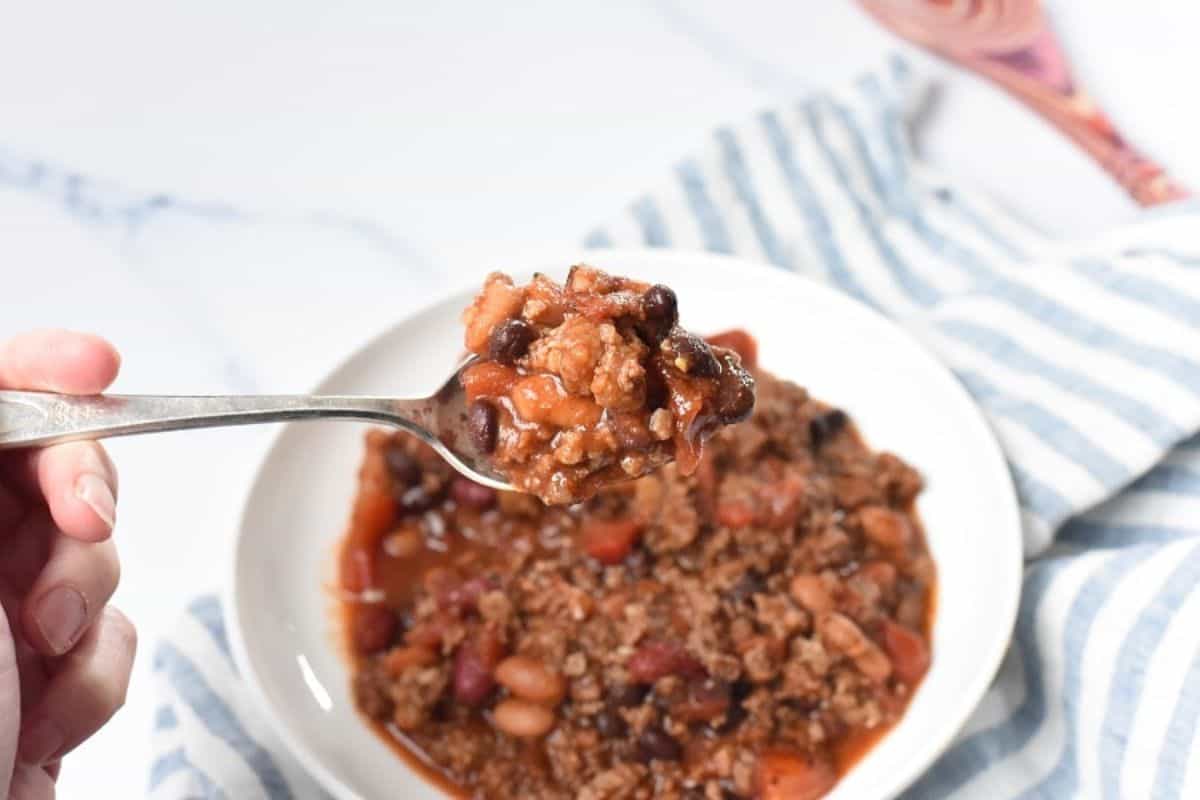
1010 42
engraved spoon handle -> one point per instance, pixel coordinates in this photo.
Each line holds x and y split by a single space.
30 419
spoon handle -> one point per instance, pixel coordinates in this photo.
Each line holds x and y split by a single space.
29 419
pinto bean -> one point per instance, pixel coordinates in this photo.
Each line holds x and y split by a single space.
809 592
523 719
885 527
840 633
909 652
530 679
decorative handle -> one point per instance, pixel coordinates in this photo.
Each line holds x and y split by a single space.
1010 42
30 419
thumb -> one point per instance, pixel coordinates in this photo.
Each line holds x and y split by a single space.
10 704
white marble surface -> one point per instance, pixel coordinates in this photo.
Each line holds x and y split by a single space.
325 168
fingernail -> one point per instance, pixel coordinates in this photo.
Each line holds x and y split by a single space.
98 495
40 741
60 616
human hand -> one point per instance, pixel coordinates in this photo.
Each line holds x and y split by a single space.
65 656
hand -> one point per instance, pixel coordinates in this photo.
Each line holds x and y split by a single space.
65 657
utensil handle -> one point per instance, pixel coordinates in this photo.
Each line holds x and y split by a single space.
29 419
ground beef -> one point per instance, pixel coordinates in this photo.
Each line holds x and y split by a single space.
754 625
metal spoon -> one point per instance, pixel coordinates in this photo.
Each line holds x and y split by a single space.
36 419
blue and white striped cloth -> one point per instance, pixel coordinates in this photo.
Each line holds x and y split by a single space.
1086 359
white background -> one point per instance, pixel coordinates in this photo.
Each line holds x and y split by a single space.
369 146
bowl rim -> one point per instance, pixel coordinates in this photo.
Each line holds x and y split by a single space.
990 662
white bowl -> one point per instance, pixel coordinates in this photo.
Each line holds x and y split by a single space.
279 610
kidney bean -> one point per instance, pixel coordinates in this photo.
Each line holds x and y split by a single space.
522 719
656 659
825 426
787 776
510 340
530 679
374 628
655 743
609 541
908 650
610 724
470 494
483 425
703 700
474 664
885 527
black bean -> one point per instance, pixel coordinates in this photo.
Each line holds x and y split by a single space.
694 356
610 724
482 425
656 389
404 468
750 584
660 311
510 340
825 426
741 690
627 695
414 500
655 743
735 392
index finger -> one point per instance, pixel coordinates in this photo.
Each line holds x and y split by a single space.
58 361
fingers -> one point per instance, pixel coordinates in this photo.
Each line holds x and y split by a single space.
79 484
87 690
58 361
31 782
69 593
10 704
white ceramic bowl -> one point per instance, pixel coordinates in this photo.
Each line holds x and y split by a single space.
279 610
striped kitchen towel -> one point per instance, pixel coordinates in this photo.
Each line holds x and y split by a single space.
1086 359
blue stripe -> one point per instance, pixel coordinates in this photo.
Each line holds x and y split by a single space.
913 285
973 755
820 231
1064 777
165 719
898 190
175 761
650 220
1171 478
219 719
743 187
1183 260
1179 738
1159 296
1090 533
206 609
1047 311
1040 498
708 218
950 199
1130 669
598 239
1007 350
1049 427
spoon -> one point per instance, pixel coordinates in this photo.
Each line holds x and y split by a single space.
37 419
1011 43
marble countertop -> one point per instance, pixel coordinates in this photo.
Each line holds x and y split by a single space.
239 194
